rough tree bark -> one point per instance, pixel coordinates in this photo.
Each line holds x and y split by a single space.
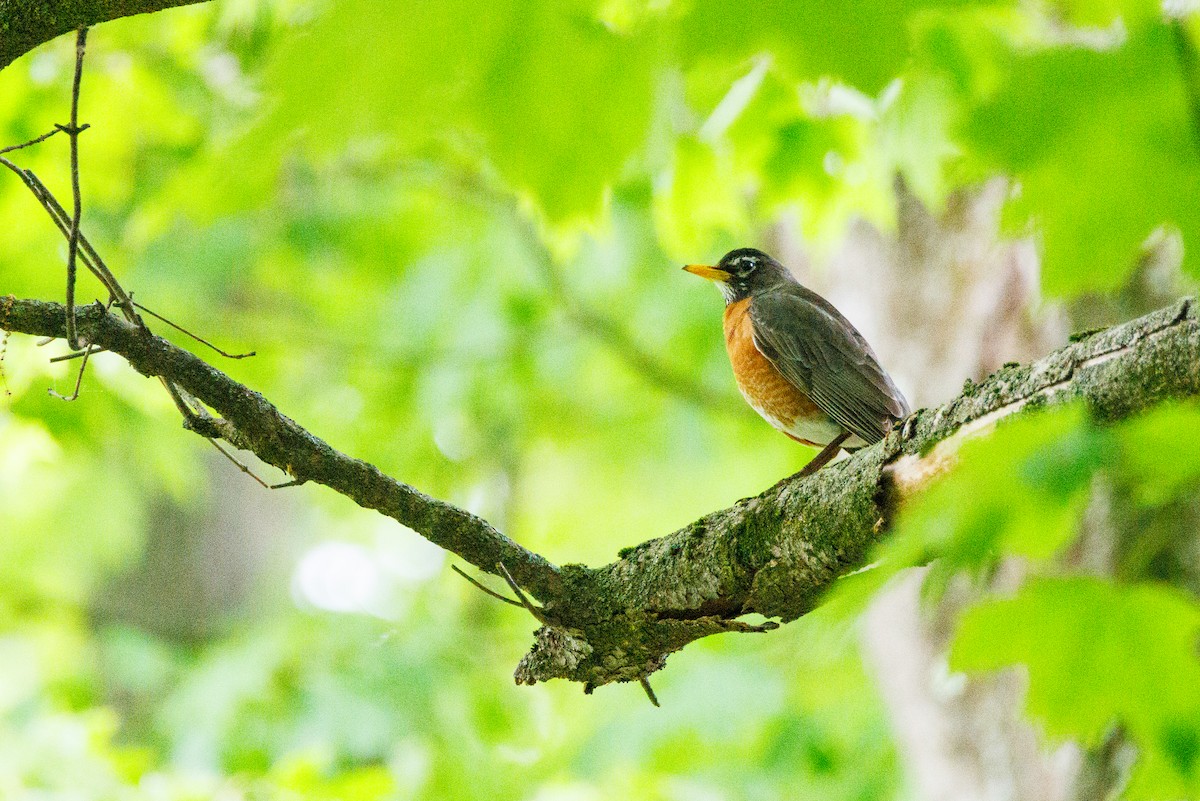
25 24
774 554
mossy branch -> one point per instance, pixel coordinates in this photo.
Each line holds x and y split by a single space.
25 24
773 554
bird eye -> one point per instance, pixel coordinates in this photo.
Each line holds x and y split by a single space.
745 266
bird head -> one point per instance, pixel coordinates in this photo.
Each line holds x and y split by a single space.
742 271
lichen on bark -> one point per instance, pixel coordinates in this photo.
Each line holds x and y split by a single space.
25 24
774 554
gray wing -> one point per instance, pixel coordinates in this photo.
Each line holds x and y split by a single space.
819 351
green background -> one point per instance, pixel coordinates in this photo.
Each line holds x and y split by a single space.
452 235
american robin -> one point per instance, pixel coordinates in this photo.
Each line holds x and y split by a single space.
798 362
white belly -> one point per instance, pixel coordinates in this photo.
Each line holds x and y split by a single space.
820 431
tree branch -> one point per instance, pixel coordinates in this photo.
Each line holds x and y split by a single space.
25 24
774 554
253 423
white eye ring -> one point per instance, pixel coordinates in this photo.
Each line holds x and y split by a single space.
745 265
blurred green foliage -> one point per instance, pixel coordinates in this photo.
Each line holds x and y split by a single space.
398 207
1098 654
1076 117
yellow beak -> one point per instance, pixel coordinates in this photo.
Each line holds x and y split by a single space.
711 273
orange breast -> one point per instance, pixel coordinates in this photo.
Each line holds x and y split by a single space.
772 396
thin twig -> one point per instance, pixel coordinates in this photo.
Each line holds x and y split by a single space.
78 379
93 262
486 590
239 465
96 264
199 339
295 482
66 357
61 220
73 245
79 248
649 690
31 142
86 353
536 611
3 355
177 398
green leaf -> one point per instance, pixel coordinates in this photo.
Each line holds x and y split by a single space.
797 159
415 70
1102 13
1018 492
1105 151
810 39
1099 654
1162 451
698 209
565 131
914 136
556 101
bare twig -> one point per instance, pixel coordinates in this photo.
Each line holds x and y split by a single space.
86 353
619 622
80 249
536 611
31 142
73 132
295 482
66 357
91 259
94 263
3 355
485 589
645 682
199 339
240 466
89 256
